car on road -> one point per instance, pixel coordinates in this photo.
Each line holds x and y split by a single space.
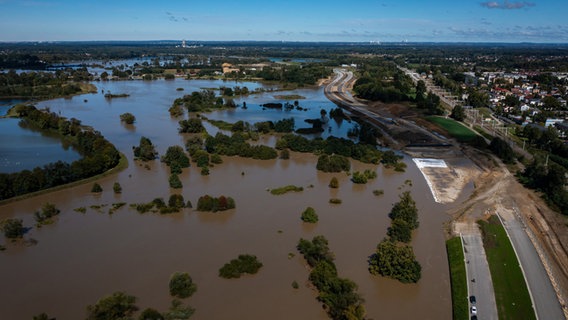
473 310
472 299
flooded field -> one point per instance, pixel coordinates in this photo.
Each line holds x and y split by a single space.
83 257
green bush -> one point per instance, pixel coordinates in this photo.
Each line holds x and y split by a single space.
335 201
309 215
47 212
216 159
13 228
117 188
96 188
245 263
378 192
175 182
181 285
128 118
334 183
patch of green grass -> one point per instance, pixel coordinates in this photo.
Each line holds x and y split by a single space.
511 293
454 128
286 189
458 279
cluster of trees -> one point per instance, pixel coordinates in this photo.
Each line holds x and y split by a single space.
209 203
307 74
42 84
503 150
181 285
382 80
429 102
550 179
363 177
203 160
175 203
199 101
145 150
394 257
176 159
235 91
236 145
338 295
21 61
359 151
99 155
235 268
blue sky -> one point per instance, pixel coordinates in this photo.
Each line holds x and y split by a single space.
292 20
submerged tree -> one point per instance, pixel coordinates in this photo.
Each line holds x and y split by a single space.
118 306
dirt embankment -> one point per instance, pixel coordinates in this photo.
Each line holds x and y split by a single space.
497 190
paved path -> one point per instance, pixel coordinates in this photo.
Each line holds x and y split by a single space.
478 269
542 293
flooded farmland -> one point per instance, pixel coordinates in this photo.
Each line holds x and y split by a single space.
85 256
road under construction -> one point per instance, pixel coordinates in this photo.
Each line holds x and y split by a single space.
396 132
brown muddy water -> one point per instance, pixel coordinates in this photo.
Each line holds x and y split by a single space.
83 257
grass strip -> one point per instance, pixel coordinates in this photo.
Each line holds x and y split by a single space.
511 293
458 279
454 128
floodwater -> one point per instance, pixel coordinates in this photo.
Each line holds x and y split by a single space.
83 257
22 149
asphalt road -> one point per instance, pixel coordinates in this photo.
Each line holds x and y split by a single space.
480 284
542 293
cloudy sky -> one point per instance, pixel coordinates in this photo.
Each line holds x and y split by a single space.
292 20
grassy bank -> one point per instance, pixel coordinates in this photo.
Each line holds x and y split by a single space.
454 128
458 279
511 293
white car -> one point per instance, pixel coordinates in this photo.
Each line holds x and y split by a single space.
473 310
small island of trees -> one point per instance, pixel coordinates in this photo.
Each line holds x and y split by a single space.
209 203
181 285
309 215
394 257
245 263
